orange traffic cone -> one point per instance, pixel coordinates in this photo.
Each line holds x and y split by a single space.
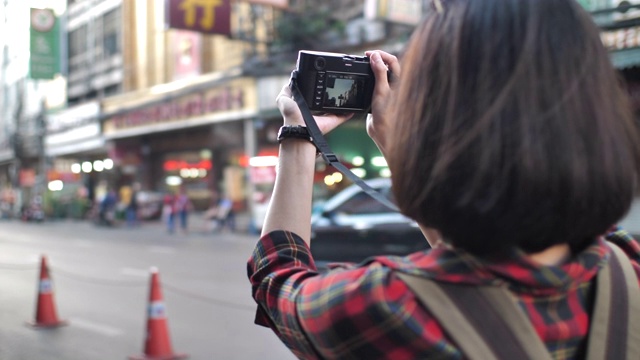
46 316
157 344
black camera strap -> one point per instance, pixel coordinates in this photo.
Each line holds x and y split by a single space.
327 154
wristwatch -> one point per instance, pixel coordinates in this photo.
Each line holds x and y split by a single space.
295 132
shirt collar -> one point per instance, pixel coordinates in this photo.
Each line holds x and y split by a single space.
518 272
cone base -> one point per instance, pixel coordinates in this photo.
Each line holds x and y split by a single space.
168 357
49 325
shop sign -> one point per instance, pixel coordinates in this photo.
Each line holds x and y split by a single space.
189 106
262 175
44 62
186 54
73 118
177 165
63 176
205 16
621 39
27 177
274 3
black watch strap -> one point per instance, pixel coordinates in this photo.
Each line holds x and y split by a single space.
295 132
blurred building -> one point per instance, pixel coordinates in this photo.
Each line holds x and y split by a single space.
173 108
170 108
25 98
620 24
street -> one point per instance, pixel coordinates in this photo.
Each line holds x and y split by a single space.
101 284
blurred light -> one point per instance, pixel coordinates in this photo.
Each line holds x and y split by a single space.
385 172
379 161
360 172
263 161
56 185
76 168
173 180
202 173
357 161
337 177
86 166
328 180
98 165
205 154
107 164
193 173
185 173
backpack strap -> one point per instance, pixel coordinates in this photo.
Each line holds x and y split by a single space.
615 323
487 323
484 321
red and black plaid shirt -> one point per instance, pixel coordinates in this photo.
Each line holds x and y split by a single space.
365 312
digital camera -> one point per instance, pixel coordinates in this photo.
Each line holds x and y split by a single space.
335 83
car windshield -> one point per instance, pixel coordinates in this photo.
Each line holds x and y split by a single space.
361 203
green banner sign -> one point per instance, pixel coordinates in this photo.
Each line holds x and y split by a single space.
45 44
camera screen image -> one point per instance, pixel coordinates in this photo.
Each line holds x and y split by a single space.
344 91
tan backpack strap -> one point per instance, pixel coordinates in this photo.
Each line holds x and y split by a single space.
484 321
615 323
449 317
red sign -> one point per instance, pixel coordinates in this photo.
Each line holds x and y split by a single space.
27 177
205 16
176 165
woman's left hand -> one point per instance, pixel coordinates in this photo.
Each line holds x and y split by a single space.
292 115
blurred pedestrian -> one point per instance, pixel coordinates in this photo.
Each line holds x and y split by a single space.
131 211
225 215
182 207
168 211
107 208
511 142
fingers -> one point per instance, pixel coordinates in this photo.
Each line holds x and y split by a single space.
390 60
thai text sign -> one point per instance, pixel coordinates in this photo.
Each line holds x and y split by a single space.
231 97
44 44
275 3
205 16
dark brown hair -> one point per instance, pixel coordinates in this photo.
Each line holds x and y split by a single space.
511 127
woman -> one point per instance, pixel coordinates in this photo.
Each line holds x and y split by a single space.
510 142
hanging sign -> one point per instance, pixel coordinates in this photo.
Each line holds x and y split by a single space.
44 44
205 16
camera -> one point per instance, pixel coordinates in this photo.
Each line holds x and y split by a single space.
335 83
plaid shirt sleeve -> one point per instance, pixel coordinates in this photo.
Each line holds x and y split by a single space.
357 313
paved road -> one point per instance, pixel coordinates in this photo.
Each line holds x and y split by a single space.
101 281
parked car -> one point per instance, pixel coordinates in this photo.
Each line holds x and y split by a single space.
352 226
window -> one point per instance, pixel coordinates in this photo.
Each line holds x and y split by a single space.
77 42
111 33
362 203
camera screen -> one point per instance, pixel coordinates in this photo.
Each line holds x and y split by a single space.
344 91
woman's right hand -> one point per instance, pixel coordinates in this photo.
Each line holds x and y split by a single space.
378 122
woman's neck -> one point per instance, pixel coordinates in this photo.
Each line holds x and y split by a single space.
551 256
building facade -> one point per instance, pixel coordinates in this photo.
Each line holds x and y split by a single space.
174 109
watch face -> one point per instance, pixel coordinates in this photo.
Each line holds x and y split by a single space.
42 20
